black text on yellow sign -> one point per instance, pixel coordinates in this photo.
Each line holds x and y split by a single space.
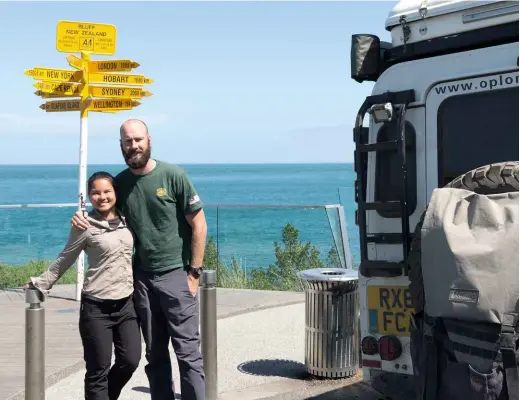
388 310
62 88
55 74
76 36
91 105
118 79
118 92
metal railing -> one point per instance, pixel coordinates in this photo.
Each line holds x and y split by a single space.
245 232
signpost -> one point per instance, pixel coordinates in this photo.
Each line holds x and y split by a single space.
115 92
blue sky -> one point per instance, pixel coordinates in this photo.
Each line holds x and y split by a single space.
234 81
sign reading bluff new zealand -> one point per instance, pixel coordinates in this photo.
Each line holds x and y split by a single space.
75 37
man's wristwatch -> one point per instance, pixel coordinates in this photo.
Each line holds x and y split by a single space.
195 271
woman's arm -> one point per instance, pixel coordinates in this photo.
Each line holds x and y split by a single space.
75 244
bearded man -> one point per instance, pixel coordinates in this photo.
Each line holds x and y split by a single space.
165 214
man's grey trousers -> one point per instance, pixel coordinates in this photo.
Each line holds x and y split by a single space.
167 310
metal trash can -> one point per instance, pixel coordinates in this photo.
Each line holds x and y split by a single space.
331 322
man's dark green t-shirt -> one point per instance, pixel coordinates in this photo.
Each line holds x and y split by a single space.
155 206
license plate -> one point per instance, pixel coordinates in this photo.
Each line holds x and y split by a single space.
388 310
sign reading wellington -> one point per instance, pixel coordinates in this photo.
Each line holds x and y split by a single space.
88 86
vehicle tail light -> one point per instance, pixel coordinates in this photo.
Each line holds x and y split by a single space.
389 348
369 346
371 363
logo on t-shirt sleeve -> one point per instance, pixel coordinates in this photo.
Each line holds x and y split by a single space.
194 199
161 192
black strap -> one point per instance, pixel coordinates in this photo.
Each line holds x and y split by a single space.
430 387
508 348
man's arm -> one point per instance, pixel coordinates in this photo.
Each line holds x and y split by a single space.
192 206
197 221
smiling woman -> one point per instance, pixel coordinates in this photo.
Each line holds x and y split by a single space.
107 313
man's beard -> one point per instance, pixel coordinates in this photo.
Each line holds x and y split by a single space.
137 160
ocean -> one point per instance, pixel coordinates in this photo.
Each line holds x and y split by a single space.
245 233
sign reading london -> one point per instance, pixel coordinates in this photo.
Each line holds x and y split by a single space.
75 37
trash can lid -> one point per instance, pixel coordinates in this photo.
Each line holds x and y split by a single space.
329 274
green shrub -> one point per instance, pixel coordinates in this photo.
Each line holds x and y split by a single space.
17 276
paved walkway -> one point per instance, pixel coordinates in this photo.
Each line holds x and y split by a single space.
260 350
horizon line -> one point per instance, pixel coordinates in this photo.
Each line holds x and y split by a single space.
193 163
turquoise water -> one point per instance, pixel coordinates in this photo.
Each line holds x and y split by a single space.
246 233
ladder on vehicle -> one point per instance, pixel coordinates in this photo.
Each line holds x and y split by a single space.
363 147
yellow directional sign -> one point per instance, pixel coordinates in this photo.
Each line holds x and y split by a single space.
46 95
111 65
118 92
54 74
74 61
93 105
61 105
63 88
123 79
75 36
114 104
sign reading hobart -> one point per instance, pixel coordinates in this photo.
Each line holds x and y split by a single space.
74 37
127 79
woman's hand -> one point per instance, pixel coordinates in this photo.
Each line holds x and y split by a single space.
29 285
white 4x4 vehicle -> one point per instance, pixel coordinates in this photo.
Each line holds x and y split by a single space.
444 104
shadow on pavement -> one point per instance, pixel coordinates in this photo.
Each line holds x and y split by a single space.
143 389
280 368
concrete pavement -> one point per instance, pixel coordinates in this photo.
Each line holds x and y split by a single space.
260 351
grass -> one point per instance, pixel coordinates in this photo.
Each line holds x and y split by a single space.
17 276
232 276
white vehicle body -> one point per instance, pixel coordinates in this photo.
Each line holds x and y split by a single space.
462 114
